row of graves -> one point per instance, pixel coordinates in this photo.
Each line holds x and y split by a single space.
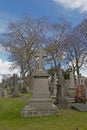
66 93
9 87
13 86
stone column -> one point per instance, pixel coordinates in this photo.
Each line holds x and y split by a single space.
71 89
4 89
15 92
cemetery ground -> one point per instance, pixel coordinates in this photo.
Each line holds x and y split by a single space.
10 109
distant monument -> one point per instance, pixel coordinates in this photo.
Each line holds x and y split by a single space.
4 89
71 88
41 103
60 94
15 92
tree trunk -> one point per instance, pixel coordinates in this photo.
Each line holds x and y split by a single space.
77 69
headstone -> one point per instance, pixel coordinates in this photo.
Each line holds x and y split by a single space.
60 99
71 88
4 89
15 92
41 103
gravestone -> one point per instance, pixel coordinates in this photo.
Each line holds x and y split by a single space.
15 92
71 89
4 89
60 97
41 103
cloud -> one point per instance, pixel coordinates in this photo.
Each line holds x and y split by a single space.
74 4
4 69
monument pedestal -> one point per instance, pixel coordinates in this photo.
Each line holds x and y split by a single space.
71 89
71 94
41 102
39 108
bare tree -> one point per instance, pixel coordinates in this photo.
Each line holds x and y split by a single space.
82 29
55 49
76 51
22 39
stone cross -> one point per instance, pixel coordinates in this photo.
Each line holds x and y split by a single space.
41 54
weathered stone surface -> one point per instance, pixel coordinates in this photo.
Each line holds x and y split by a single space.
79 106
15 92
80 94
37 107
40 87
71 89
41 102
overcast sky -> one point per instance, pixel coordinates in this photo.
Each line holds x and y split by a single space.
11 10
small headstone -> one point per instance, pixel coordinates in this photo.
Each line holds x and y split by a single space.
60 99
4 89
15 87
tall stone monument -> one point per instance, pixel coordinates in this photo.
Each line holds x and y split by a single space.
60 94
41 103
15 92
71 88
4 89
55 85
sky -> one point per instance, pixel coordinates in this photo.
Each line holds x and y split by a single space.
11 10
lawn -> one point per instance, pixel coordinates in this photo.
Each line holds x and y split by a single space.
10 119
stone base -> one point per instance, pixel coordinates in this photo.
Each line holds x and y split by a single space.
37 107
62 103
70 94
70 100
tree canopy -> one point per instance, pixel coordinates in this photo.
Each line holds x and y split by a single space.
64 44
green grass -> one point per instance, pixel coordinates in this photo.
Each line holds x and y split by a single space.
10 109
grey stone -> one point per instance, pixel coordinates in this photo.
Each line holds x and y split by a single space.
41 54
3 89
79 106
41 103
86 92
71 89
39 107
60 94
15 92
